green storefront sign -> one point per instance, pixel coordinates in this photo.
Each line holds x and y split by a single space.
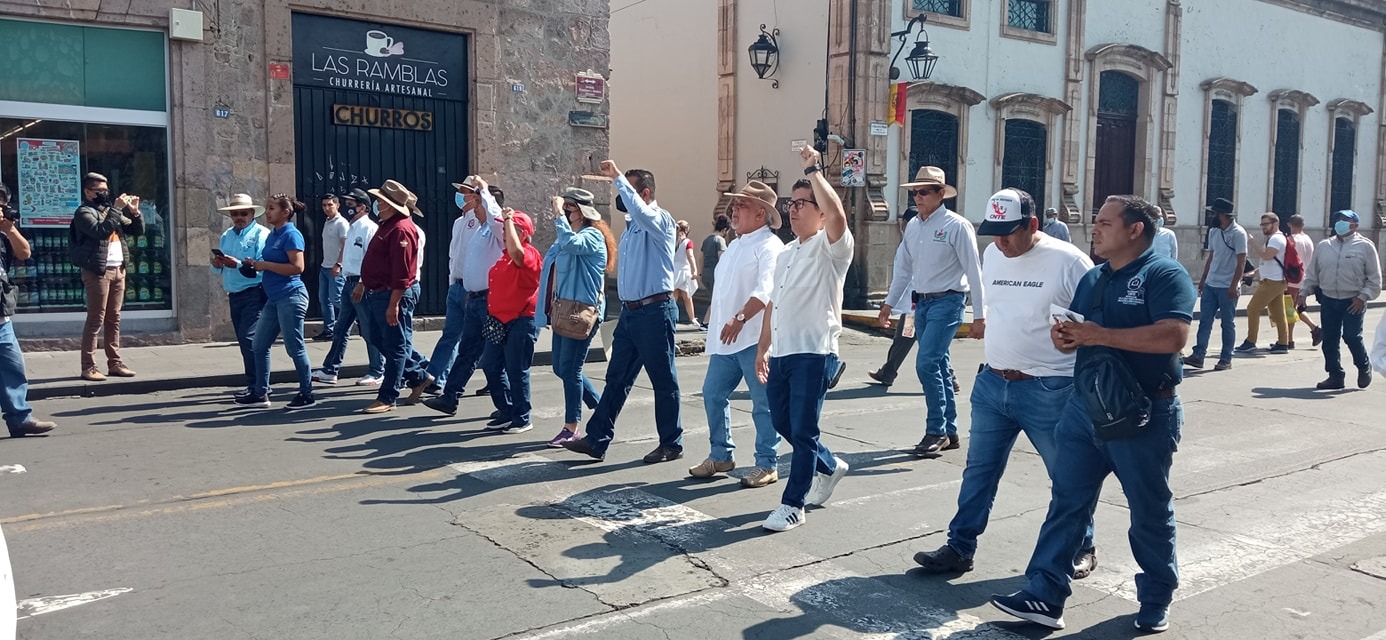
82 66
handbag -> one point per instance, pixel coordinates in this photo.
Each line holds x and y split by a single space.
573 319
493 330
1117 403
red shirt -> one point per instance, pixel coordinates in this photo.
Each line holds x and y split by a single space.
392 259
514 287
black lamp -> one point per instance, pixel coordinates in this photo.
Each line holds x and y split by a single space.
765 55
921 59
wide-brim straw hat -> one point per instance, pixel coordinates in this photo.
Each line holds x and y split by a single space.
763 195
932 177
583 199
394 195
242 201
468 184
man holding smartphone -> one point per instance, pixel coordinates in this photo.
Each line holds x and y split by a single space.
14 396
98 245
243 292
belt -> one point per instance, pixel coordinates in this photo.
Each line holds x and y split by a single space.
636 304
1011 375
916 296
472 295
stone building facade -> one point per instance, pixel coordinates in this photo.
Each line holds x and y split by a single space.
260 100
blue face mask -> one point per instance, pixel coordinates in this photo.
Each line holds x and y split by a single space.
1159 222
1342 227
460 201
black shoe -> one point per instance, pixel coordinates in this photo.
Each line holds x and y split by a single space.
881 380
662 454
1364 377
1317 335
581 445
1245 346
433 390
243 393
441 405
1083 566
498 421
254 402
301 401
484 391
931 444
1280 348
953 443
325 336
944 560
32 428
841 367
1333 381
1193 362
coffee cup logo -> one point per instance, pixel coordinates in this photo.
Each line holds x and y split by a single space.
379 45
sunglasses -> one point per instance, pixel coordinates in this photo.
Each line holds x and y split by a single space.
923 192
801 203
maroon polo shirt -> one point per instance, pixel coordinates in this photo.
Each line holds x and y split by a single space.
392 259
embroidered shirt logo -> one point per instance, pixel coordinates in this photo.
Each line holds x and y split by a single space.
1135 292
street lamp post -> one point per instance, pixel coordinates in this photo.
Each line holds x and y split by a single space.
921 59
765 55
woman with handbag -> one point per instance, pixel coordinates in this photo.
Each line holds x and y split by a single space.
571 300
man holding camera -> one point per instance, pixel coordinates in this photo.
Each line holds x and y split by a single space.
1220 285
14 396
98 235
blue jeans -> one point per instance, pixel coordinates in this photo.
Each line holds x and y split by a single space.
415 364
1001 410
568 357
1141 463
393 341
15 395
445 350
245 314
936 322
795 389
282 315
470 346
644 337
1339 323
1214 301
507 364
329 297
341 333
724 373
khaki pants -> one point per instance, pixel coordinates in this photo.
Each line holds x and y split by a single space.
105 294
1270 294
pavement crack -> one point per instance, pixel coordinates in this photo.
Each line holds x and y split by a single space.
1317 466
562 582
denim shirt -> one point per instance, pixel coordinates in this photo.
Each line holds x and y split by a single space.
645 264
577 264
247 243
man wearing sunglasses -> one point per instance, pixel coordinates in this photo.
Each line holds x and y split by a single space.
936 267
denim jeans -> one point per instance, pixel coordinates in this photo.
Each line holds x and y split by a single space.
393 341
329 297
1339 323
1141 463
1001 410
507 364
415 369
936 322
14 398
470 346
283 315
644 337
724 373
341 334
795 388
1214 302
245 314
900 347
568 358
445 350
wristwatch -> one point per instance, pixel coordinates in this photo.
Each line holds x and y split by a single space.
808 171
739 317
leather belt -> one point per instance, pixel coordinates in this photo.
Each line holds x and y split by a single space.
916 296
636 304
472 295
1011 375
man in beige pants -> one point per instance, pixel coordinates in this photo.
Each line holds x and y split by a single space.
98 236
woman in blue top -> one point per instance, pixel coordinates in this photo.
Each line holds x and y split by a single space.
574 269
286 303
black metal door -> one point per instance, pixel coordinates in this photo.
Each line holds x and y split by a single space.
335 158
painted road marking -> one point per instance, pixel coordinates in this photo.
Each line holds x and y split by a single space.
48 604
7 605
607 620
12 468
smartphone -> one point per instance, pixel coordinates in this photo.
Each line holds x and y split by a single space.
218 253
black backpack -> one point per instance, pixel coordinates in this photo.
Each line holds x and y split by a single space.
1116 401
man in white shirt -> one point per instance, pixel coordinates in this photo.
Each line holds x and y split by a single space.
359 234
1053 227
1166 244
330 278
1027 381
463 228
797 354
745 275
1270 292
1304 245
938 252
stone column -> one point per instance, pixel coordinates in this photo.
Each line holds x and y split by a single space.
1174 15
1073 95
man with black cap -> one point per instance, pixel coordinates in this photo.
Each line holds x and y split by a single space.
1220 284
388 273
938 267
1027 381
1345 273
358 238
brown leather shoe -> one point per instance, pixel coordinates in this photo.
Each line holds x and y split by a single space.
760 477
416 394
93 374
32 428
709 467
378 407
119 370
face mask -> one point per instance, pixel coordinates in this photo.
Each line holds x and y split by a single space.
350 211
1342 227
1159 222
460 201
101 197
375 209
621 205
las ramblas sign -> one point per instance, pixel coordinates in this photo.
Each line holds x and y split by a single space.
354 55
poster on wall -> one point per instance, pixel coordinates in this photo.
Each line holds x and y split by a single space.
50 186
854 167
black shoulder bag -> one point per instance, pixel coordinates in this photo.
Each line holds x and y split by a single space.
1116 401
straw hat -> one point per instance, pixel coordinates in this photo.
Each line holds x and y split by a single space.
240 202
931 177
761 194
393 194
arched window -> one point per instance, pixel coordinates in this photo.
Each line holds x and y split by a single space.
1222 151
934 142
1025 158
1344 156
1285 187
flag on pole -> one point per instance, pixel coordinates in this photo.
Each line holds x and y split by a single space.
899 93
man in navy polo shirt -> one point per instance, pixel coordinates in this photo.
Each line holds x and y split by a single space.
1144 302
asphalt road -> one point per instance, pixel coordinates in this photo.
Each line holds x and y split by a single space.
169 515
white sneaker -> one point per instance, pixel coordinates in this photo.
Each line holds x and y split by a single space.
517 428
784 518
322 376
824 484
369 381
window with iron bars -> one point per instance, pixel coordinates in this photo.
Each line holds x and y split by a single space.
1031 15
1025 159
1344 156
945 7
1222 151
934 142
1285 188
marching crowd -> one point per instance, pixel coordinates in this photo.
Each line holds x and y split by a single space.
1084 359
